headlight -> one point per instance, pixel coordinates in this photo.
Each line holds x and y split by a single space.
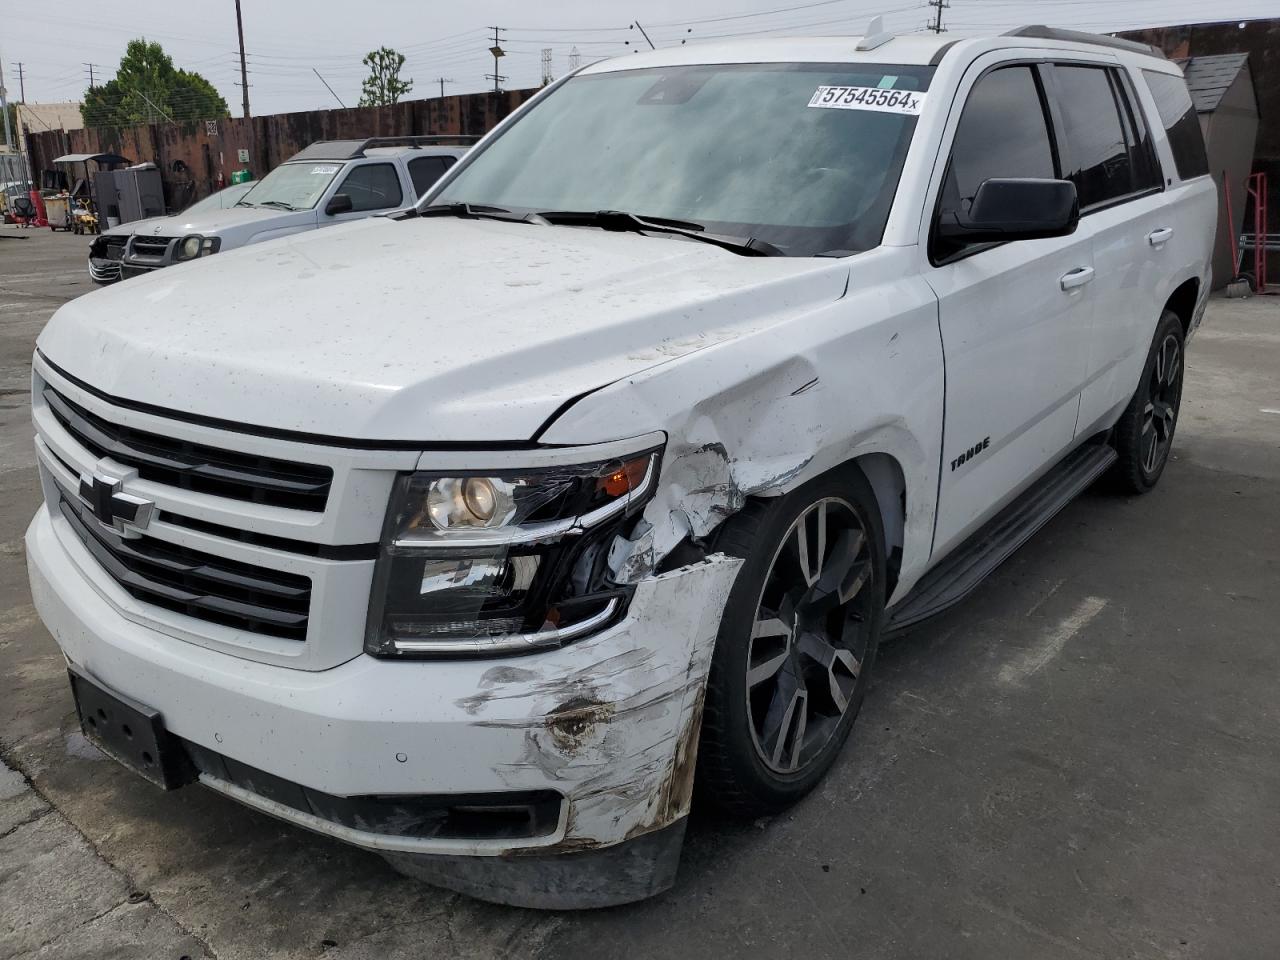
189 248
502 562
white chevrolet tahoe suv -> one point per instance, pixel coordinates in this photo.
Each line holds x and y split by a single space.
326 184
483 536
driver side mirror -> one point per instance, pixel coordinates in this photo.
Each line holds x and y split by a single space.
338 203
1004 210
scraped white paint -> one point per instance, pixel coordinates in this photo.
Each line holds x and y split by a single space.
1051 644
1267 410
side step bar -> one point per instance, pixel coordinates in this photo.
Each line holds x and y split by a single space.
979 556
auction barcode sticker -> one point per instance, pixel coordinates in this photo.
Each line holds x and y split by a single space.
907 102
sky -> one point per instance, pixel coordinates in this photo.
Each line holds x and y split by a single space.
286 40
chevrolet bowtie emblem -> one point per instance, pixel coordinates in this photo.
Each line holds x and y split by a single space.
124 513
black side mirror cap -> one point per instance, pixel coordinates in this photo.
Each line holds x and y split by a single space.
1004 210
338 203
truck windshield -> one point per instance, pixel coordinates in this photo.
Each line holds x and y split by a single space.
292 186
803 156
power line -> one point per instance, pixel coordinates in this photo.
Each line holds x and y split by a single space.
329 88
636 24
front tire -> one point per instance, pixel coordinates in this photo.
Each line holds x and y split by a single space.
796 644
1144 435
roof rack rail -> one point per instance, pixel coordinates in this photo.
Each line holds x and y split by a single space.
354 149
1041 32
436 139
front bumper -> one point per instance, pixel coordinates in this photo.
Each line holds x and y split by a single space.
609 723
104 270
130 268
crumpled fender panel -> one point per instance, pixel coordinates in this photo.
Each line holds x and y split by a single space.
762 413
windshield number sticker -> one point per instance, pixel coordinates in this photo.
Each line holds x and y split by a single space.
905 102
319 171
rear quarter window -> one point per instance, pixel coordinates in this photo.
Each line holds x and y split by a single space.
1178 114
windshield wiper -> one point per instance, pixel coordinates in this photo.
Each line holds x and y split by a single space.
277 203
630 222
477 211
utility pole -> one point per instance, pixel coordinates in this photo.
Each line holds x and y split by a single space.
90 66
575 59
937 26
244 83
326 83
442 81
498 53
22 86
546 66
244 69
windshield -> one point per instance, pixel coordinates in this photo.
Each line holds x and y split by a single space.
296 186
804 156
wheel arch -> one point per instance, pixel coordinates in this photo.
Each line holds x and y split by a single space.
885 476
1183 302
888 482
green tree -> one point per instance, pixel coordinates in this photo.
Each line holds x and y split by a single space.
147 88
383 85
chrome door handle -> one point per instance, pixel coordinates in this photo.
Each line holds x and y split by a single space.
1158 238
1077 278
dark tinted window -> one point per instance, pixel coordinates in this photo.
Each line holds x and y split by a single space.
1002 133
1097 154
374 186
1142 151
424 171
1178 114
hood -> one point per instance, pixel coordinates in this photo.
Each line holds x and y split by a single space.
213 222
128 229
428 330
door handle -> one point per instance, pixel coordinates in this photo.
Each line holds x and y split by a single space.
1077 278
1158 238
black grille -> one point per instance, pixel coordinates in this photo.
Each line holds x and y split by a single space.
198 584
150 246
192 466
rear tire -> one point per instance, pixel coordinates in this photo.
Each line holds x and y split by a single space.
796 644
1144 435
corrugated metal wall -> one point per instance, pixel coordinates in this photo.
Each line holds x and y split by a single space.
191 156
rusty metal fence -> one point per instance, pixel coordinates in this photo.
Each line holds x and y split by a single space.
196 157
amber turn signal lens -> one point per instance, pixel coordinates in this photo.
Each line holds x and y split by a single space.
624 479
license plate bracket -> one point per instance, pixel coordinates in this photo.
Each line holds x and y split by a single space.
130 733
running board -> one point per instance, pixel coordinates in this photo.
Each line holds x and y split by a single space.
978 557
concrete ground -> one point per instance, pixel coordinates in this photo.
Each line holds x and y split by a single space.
1082 760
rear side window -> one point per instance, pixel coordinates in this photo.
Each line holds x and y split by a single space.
1178 114
375 186
425 171
1100 163
1142 149
1003 133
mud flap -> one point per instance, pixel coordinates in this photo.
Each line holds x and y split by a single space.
582 880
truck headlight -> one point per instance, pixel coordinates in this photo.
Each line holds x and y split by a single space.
502 562
197 246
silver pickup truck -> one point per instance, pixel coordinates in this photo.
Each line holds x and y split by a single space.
328 183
